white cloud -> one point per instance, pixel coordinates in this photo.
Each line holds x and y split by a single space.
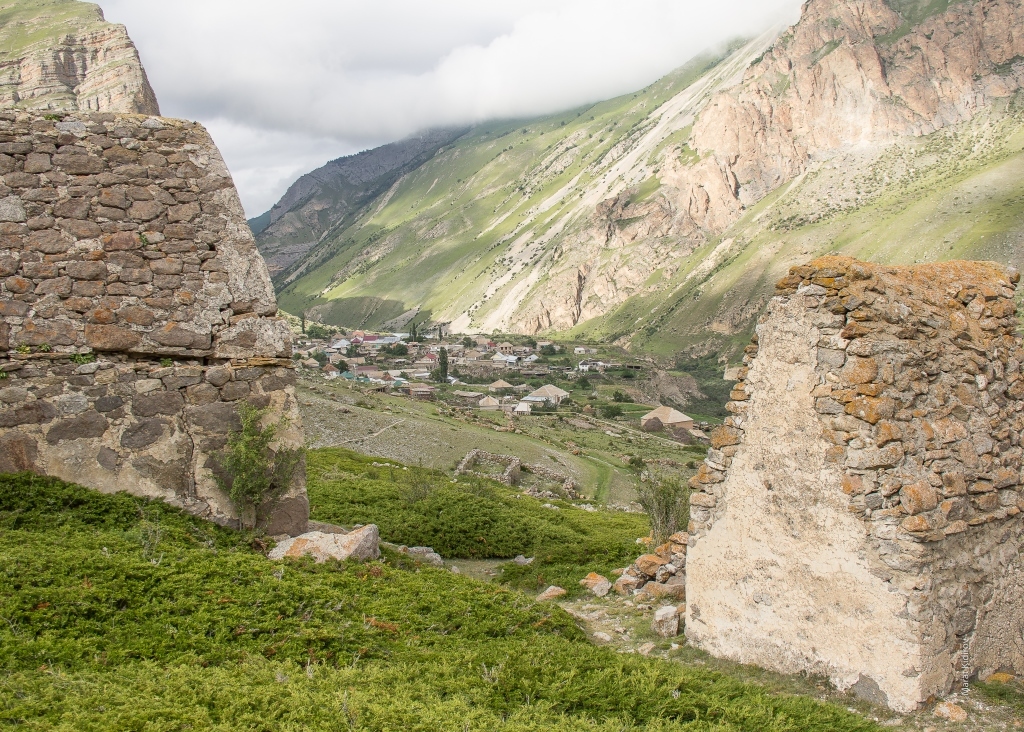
285 87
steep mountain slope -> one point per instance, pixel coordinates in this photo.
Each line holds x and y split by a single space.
63 55
662 220
456 235
328 197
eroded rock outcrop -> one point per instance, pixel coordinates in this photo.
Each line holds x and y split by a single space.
859 515
848 74
63 56
135 311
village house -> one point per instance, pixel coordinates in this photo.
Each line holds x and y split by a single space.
667 417
523 409
499 386
423 392
489 404
550 393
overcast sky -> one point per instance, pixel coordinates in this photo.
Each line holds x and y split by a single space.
285 87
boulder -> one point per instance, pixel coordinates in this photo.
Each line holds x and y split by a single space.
952 712
363 543
625 584
424 554
550 593
666 621
597 584
657 590
648 564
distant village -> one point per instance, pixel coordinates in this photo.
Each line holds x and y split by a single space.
423 366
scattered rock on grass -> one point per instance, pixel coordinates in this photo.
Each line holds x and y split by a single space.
952 712
424 554
625 584
666 621
550 593
603 637
596 584
362 543
649 564
523 561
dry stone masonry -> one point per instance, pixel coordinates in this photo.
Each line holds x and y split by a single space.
859 514
135 311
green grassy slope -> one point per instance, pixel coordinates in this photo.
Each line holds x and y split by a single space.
444 233
124 614
473 518
28 23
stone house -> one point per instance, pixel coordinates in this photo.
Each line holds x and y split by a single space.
551 394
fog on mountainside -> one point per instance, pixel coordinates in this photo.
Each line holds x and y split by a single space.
656 218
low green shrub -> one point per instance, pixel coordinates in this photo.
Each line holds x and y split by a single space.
474 518
119 613
667 505
252 474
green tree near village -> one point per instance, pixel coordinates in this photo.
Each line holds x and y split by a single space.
442 363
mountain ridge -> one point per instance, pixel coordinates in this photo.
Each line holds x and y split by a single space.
657 193
62 55
340 187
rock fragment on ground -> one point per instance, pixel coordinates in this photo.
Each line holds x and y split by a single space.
362 543
424 554
550 593
952 712
666 621
597 584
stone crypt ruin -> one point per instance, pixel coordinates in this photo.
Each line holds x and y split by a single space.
135 311
859 514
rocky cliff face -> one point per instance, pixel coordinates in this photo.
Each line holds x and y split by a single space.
64 56
848 75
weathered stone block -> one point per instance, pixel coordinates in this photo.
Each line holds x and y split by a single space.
163 402
79 164
918 498
811 485
111 338
872 409
90 425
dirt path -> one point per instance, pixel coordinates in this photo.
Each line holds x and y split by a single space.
375 434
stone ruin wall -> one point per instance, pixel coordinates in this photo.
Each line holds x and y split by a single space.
859 514
122 239
511 474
